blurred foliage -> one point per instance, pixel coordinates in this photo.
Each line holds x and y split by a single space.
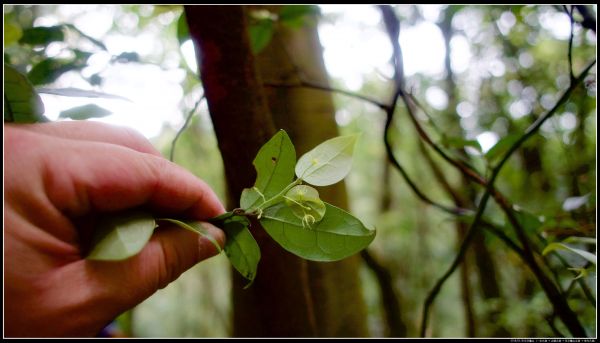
517 71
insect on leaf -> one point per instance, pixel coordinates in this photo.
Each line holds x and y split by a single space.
328 163
337 236
121 235
305 203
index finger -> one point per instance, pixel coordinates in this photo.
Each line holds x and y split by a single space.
94 176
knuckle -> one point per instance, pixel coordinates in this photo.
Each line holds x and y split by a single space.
137 141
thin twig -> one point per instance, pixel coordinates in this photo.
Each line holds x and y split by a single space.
559 303
550 321
393 27
389 297
188 119
439 175
503 237
452 210
570 50
389 109
566 314
313 85
586 291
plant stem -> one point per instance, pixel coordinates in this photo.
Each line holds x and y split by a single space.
279 197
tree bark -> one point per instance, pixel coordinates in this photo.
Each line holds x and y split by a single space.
278 303
308 117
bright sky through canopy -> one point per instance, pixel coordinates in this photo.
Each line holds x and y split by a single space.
354 40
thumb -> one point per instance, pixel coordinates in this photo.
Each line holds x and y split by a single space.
113 287
170 252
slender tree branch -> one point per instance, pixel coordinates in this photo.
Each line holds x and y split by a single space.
550 321
464 168
187 122
452 210
570 50
313 85
459 201
392 25
560 305
389 299
526 253
498 232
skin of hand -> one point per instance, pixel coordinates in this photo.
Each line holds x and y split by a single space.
57 178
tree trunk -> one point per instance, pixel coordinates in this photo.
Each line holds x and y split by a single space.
290 297
277 304
308 117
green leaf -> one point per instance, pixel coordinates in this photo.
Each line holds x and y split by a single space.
295 16
194 226
261 33
12 33
121 235
459 143
85 112
305 203
328 163
183 32
501 147
337 236
220 219
241 247
274 165
48 70
81 93
582 240
42 35
21 103
251 198
560 246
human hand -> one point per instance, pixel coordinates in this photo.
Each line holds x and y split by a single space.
58 178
